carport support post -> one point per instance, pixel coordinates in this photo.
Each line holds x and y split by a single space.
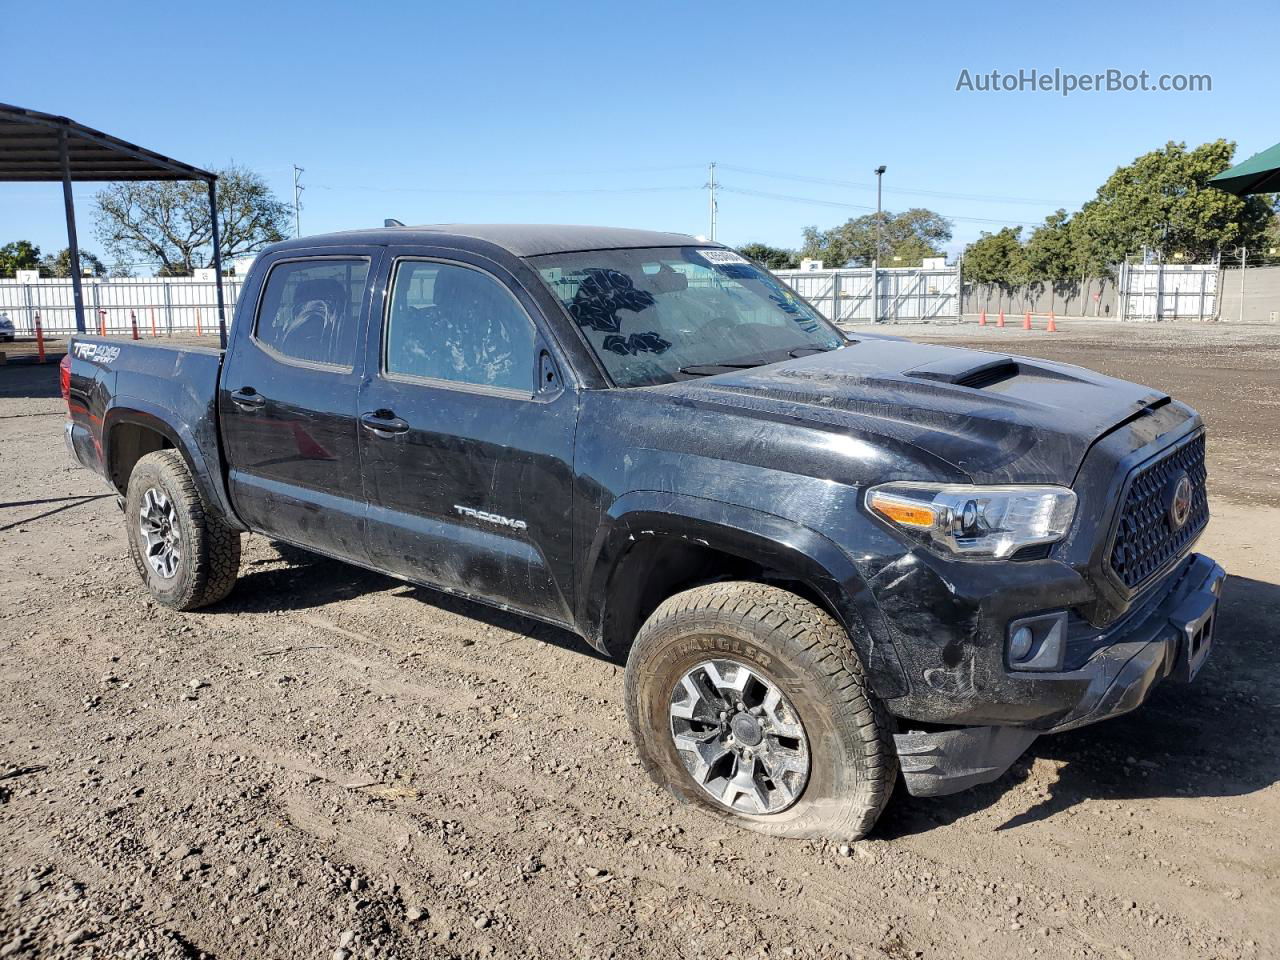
217 263
73 245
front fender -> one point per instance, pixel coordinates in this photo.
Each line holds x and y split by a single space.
783 547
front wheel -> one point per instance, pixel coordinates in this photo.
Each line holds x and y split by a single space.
750 702
186 558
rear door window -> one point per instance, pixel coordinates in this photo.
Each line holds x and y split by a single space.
455 323
310 309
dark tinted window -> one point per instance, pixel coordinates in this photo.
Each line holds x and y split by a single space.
453 323
311 309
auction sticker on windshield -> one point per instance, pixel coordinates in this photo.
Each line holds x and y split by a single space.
721 256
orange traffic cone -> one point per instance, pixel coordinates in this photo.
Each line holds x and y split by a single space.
1026 320
1052 327
1000 322
982 319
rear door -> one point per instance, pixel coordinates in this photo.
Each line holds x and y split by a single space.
467 435
287 401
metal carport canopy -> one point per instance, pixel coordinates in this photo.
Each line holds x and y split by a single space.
42 147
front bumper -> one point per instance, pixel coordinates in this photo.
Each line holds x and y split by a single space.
1170 636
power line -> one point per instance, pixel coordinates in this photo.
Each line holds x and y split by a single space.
857 206
800 178
508 193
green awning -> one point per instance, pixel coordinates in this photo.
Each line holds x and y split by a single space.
1259 174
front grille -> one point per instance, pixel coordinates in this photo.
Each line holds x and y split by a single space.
1145 540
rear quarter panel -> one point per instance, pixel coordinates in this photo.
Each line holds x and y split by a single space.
170 390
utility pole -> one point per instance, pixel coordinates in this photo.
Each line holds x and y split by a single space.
711 199
875 260
297 199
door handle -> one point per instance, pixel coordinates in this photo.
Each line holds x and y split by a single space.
247 398
383 423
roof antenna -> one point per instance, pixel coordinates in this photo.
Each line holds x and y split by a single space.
389 222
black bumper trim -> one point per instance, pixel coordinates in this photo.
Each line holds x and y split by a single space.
1174 639
935 764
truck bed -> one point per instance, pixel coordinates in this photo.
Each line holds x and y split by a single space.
164 387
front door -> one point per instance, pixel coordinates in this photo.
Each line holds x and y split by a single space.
287 402
467 437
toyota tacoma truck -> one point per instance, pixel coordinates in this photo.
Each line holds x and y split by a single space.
824 558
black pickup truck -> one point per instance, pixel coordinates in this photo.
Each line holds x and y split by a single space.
823 558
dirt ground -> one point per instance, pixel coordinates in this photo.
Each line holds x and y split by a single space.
333 764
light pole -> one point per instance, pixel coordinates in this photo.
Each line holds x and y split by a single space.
875 260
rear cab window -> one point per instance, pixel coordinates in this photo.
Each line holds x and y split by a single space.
310 310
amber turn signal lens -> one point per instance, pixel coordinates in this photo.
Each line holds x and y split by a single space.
909 515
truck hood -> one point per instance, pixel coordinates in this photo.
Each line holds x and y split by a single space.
996 418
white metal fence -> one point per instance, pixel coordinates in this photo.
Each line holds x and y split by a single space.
1161 291
905 294
161 305
165 305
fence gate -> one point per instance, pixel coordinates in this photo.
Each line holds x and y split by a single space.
906 294
1161 291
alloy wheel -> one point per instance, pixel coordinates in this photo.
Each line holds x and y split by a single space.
739 738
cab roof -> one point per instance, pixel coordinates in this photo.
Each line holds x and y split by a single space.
520 239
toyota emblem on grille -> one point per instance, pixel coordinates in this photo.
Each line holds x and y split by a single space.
1179 501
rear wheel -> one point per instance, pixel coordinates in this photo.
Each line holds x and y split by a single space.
750 702
186 558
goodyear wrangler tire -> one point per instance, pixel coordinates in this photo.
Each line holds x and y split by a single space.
186 558
751 703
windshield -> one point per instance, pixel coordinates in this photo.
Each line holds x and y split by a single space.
655 315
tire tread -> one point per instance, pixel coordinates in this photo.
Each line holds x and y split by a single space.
787 620
215 553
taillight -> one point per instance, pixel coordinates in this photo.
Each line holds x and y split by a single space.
64 379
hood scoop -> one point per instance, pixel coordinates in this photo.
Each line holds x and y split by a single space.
961 371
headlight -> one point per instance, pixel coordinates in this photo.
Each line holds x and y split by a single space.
979 523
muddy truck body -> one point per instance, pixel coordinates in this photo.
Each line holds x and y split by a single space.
823 558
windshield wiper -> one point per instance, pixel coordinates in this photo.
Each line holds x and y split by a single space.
799 352
711 369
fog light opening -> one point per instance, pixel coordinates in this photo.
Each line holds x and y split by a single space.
1020 644
1038 643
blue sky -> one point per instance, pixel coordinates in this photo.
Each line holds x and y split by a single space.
609 113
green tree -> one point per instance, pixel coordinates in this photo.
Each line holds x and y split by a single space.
18 255
997 257
59 265
905 239
1049 254
168 222
773 258
1162 201
1270 241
